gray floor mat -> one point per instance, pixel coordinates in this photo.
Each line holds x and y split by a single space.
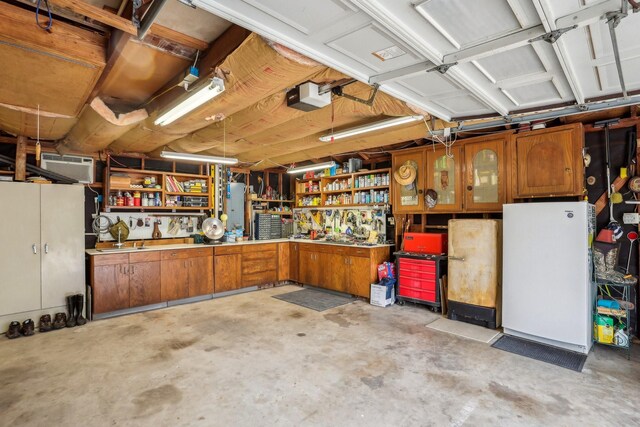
315 300
544 353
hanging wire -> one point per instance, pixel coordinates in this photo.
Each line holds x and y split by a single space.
46 27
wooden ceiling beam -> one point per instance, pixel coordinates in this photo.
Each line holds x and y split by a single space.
117 42
111 19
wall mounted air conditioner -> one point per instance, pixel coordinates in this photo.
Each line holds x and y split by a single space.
76 167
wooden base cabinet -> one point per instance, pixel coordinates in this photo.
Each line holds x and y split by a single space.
186 273
228 273
144 278
340 268
110 282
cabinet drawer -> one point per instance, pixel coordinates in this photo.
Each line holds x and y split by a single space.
361 252
265 255
261 278
187 253
259 247
110 259
144 256
418 294
419 284
251 267
228 250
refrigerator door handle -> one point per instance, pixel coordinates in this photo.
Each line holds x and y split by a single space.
456 258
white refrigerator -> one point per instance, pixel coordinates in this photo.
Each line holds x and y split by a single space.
548 288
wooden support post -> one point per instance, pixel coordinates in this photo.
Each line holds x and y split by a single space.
21 159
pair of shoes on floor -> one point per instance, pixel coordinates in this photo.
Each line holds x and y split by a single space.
75 305
16 330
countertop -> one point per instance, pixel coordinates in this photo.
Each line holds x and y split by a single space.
244 242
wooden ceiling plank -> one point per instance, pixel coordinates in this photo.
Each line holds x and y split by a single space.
111 19
67 41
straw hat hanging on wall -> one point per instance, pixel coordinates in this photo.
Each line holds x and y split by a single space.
406 173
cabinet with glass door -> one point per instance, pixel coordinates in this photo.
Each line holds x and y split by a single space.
485 183
444 176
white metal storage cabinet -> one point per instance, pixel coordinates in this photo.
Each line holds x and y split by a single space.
41 248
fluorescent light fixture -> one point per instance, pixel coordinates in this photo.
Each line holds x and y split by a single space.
308 168
198 158
370 128
195 98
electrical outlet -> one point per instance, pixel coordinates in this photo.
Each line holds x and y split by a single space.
631 218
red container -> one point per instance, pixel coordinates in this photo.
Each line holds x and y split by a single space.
426 243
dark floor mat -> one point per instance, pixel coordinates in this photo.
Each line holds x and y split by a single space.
542 352
315 300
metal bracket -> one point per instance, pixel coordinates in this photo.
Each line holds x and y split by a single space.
552 36
369 102
442 69
144 20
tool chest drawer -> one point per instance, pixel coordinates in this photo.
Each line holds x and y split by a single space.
418 264
418 294
413 274
429 285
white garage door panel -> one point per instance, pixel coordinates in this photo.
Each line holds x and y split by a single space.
306 16
362 43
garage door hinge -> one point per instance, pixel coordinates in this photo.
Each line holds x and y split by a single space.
552 36
442 69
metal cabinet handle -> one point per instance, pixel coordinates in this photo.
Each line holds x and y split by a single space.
456 258
35 249
46 248
133 269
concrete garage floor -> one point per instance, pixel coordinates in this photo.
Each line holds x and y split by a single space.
254 360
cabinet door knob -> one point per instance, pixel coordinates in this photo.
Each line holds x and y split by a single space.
469 187
420 191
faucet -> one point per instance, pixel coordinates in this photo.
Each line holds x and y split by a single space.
119 244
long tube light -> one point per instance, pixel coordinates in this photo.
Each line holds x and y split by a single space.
317 166
370 128
196 98
198 158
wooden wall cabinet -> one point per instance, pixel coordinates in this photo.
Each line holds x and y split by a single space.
548 162
409 199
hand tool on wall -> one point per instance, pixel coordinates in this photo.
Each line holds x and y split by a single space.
606 124
632 236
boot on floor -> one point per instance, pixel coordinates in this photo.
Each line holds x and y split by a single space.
28 328
71 307
14 330
80 320
59 320
45 323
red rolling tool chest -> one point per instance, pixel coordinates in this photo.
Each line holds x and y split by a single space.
419 277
